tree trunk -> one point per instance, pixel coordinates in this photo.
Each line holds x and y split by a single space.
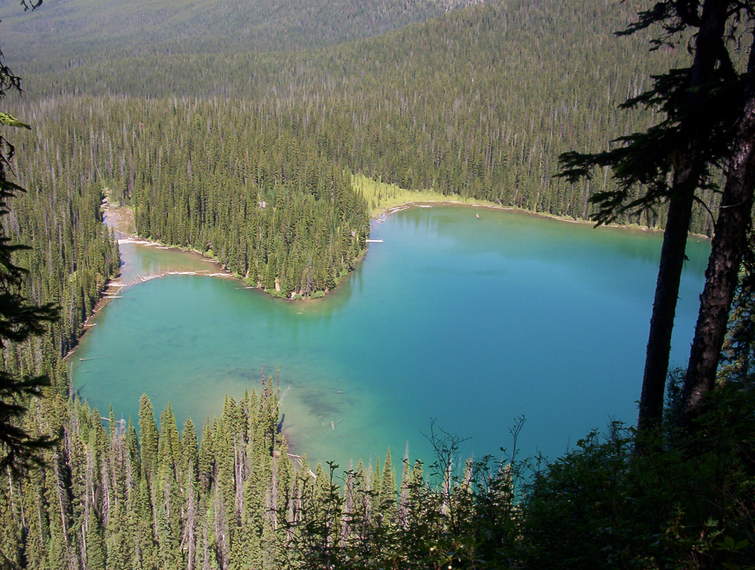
727 250
664 305
688 169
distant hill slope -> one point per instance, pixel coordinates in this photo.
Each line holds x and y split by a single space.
479 102
70 29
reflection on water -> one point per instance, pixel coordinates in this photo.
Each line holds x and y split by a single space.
470 321
140 262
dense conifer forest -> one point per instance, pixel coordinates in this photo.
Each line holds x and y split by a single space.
247 154
194 169
480 102
231 495
444 105
71 253
72 30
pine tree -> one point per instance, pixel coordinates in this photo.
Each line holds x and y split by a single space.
674 158
738 353
149 441
95 545
728 249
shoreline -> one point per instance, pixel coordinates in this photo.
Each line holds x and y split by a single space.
113 217
383 213
378 217
116 285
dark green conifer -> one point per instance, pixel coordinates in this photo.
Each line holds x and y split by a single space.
149 441
95 544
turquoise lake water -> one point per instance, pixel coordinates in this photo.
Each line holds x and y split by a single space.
471 322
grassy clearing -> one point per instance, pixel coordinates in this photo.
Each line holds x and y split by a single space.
381 197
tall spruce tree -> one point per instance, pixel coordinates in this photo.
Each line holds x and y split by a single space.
701 106
738 351
730 244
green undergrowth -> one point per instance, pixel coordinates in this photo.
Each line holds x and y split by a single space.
686 504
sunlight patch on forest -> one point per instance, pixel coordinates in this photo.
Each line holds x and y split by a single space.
381 196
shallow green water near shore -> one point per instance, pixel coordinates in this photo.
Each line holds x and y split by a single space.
469 321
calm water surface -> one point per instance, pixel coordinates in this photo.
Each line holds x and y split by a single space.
469 322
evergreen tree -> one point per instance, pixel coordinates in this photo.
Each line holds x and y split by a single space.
728 248
738 353
95 545
676 157
149 441
388 489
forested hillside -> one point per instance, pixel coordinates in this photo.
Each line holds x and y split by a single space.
73 32
71 253
480 102
227 140
468 104
225 178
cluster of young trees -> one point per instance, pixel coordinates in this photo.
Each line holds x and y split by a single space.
115 497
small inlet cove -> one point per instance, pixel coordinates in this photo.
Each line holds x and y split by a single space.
465 321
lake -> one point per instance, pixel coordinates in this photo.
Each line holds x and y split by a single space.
466 322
